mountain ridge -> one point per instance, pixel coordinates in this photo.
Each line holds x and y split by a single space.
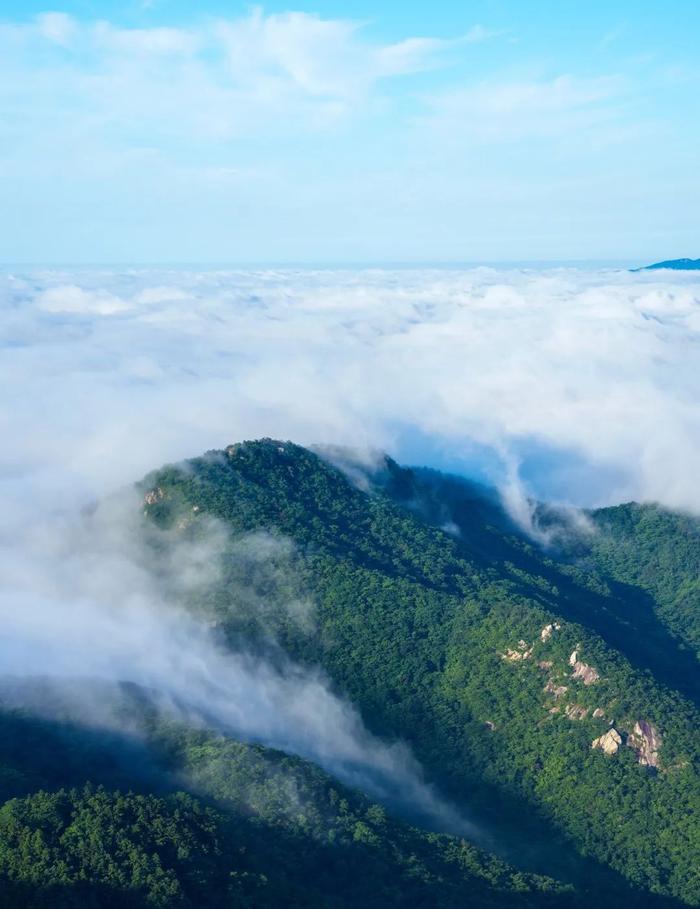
416 628
673 264
547 691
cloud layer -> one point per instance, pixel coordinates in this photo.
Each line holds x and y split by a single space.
583 383
86 604
577 385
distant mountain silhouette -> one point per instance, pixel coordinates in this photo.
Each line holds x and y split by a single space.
676 264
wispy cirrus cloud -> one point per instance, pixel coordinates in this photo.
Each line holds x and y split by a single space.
221 65
292 136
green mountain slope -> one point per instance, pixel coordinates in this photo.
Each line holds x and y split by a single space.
254 828
499 665
658 552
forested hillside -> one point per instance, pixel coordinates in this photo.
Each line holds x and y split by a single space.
101 820
547 688
657 551
518 677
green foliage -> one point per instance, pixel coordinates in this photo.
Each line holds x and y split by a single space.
412 624
648 547
98 848
266 830
440 639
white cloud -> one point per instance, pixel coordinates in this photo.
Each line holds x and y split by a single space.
57 27
417 54
327 57
593 373
319 57
69 298
81 600
225 76
143 41
585 381
289 136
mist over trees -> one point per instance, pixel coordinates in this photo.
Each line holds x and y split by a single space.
522 711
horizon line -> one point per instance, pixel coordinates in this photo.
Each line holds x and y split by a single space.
623 262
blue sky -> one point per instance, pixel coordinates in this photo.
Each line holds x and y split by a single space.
334 132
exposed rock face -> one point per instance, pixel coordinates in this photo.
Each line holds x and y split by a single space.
598 712
522 653
545 664
646 740
587 674
548 630
576 712
153 496
609 742
556 690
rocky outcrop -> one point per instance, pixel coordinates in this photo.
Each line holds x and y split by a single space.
548 631
646 741
523 652
587 674
545 664
598 713
576 712
555 690
153 496
185 521
609 742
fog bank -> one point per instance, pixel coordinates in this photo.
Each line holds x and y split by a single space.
83 603
580 384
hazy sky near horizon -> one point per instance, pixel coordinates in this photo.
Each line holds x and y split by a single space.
494 130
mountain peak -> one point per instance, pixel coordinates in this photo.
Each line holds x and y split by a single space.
674 264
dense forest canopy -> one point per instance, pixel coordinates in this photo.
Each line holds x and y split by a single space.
548 687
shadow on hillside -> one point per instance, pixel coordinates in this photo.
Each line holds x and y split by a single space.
626 619
300 870
516 831
50 754
81 895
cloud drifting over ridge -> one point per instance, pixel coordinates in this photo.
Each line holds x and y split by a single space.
84 598
583 383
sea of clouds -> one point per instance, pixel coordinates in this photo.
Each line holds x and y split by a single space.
583 384
571 384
